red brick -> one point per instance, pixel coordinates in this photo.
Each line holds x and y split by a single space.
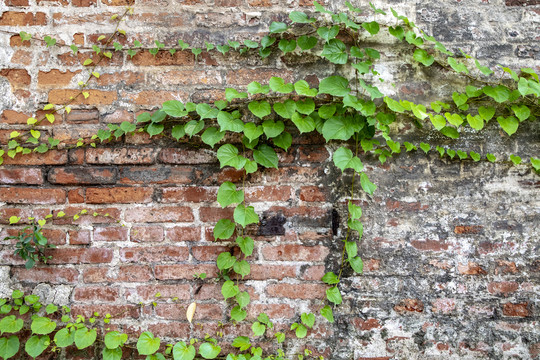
123 77
148 292
268 193
154 254
28 176
80 255
121 156
14 117
181 233
55 78
121 195
292 252
48 274
118 116
518 310
312 193
471 269
146 234
409 305
83 175
18 78
174 272
116 311
175 330
313 273
429 245
89 218
76 156
163 214
189 194
84 3
367 324
189 77
506 267
96 293
207 253
70 59
83 117
297 291
468 229
79 237
187 157
17 2
274 311
178 312
245 76
313 154
128 273
14 18
110 233
155 97
22 57
76 196
162 58
14 195
502 287
207 214
264 272
96 97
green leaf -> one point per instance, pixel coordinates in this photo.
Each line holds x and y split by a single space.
224 229
307 42
491 157
260 108
251 44
112 354
225 261
229 290
277 84
308 319
9 347
205 111
330 278
335 51
11 324
154 129
483 69
127 127
301 331
114 339
258 328
245 215
509 124
522 112
356 225
228 122
499 93
278 27
231 94
367 185
397 31
515 159
256 88
351 248
486 113
246 245
285 109
266 156
242 343
43 326
238 314
357 264
300 17
371 27
473 91
328 33
373 91
334 85
304 124
227 155
147 343
286 45
343 158
326 311
333 295
272 129
267 41
423 57
438 121
535 164
85 337
459 99
242 298
450 132
302 88
283 140
458 67
412 39
223 49
425 147
174 108
476 122
355 211
338 128
36 345
454 119
211 136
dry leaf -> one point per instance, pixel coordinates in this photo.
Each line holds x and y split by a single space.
191 311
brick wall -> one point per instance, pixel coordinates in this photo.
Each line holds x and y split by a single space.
450 247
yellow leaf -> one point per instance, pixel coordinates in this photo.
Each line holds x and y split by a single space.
50 117
96 74
86 95
14 134
31 121
191 311
35 133
68 109
101 38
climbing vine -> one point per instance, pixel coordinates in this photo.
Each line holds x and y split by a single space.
347 108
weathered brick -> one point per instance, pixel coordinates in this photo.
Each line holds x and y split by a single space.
144 58
96 293
14 117
30 176
443 306
502 287
297 291
110 233
245 76
189 194
18 78
47 274
518 310
265 272
181 233
174 272
154 254
13 195
127 273
82 175
121 156
207 253
189 77
312 193
188 157
83 117
79 237
146 234
96 97
15 18
292 252
409 305
55 78
430 245
163 214
268 193
471 268
80 255
148 292
122 195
